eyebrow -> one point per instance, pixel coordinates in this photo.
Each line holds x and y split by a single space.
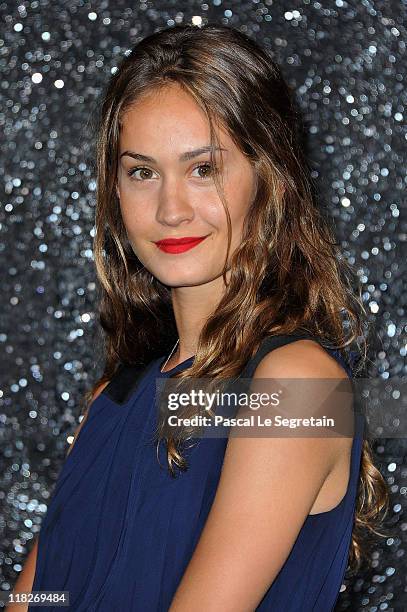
183 157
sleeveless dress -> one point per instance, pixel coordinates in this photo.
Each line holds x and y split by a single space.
119 531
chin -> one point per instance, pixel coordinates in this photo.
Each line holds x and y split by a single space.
182 280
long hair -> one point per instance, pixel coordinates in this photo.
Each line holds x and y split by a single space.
287 274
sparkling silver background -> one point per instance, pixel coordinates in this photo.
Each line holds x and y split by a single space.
347 63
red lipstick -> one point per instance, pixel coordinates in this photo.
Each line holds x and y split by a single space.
179 245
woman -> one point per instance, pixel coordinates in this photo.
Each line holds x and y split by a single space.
208 242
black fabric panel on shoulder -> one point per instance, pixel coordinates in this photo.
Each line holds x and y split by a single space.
268 344
124 382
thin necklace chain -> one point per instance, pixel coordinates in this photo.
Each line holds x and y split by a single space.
170 355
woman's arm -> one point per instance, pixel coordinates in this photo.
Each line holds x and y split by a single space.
26 578
268 486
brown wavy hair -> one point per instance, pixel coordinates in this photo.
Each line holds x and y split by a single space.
287 274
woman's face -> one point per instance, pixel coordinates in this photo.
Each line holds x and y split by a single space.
166 189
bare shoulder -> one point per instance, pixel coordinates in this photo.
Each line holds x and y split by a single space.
302 358
307 359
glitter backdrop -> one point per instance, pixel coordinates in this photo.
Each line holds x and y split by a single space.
347 63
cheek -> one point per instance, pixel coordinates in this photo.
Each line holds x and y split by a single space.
134 205
239 200
212 214
136 219
240 191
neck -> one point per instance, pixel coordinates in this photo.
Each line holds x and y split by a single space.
192 307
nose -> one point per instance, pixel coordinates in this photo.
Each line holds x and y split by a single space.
174 205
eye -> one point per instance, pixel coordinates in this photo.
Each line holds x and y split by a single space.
144 173
207 170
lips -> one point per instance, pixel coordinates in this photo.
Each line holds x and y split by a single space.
179 245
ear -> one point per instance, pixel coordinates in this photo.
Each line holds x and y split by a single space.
117 189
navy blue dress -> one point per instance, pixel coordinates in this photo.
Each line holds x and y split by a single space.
120 531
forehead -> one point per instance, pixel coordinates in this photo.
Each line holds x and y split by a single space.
168 116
